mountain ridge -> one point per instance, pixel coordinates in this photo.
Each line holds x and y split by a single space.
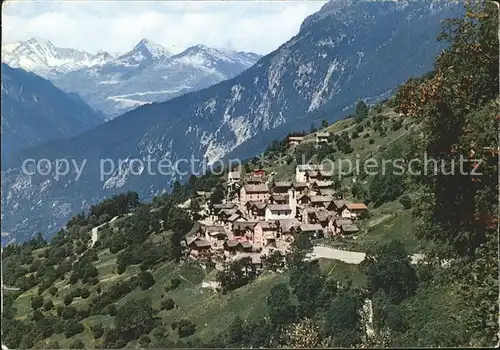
35 111
116 83
318 74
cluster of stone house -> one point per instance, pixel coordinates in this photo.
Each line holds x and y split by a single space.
259 214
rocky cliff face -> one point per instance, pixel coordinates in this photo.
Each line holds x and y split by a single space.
346 51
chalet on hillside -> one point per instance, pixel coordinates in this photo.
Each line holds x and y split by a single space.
215 210
324 218
348 229
306 214
321 201
256 209
254 180
320 184
265 233
258 173
197 245
301 169
336 206
216 237
327 192
324 175
311 176
294 141
278 211
286 226
353 210
322 137
304 199
207 232
314 230
244 228
282 186
234 176
299 187
278 198
250 192
225 214
254 258
235 217
233 245
338 222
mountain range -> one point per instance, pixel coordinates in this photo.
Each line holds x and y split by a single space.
47 60
35 111
346 51
116 83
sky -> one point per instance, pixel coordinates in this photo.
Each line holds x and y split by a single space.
116 26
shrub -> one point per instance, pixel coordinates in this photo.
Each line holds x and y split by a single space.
52 345
97 330
73 278
72 328
44 328
37 302
146 280
77 344
69 312
167 304
68 299
121 269
37 316
53 290
112 311
83 313
59 310
75 293
135 318
174 283
144 340
35 265
85 293
48 305
186 328
396 125
405 201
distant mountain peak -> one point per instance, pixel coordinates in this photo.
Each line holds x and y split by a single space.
43 58
151 48
203 55
34 40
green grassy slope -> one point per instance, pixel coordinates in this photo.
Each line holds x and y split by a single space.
210 310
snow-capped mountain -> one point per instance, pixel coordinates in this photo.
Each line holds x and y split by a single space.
48 61
143 54
361 49
151 73
115 83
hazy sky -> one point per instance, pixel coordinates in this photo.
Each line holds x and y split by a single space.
116 26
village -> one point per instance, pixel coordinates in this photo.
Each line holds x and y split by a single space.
259 215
